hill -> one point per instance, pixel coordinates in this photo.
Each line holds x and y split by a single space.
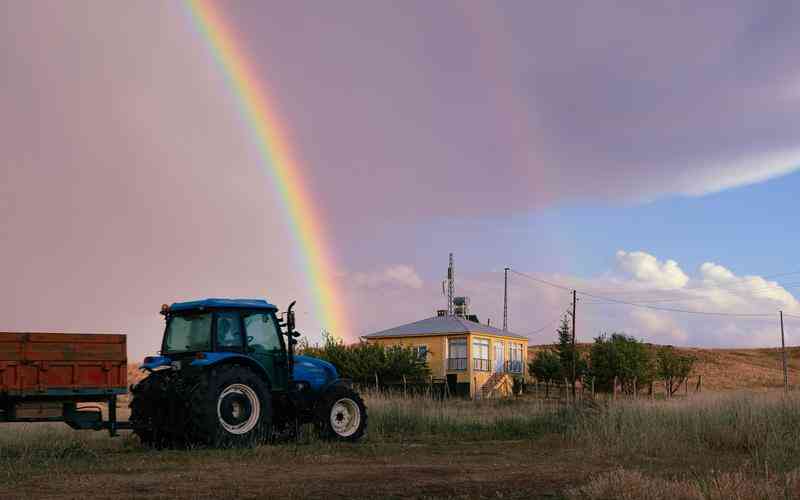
732 369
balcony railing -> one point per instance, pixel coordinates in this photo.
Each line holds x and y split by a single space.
457 363
515 366
480 364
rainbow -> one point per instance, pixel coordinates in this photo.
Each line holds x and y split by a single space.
285 172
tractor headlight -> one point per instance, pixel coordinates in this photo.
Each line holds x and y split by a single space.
176 365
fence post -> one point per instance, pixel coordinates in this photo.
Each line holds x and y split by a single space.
377 386
686 386
404 386
614 390
592 387
699 380
652 392
635 389
566 389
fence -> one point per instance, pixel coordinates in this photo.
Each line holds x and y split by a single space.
658 389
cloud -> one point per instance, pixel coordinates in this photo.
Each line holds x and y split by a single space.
660 302
393 276
496 110
646 269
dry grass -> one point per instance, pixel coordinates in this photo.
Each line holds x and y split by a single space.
625 484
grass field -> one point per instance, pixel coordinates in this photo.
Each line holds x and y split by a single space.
738 445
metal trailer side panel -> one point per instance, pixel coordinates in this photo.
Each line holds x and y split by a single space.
58 364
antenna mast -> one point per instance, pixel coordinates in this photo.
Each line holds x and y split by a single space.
451 287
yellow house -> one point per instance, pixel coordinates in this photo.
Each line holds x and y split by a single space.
475 359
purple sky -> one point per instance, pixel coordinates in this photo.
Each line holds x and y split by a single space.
128 178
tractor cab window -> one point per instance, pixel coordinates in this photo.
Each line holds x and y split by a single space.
229 331
188 332
262 332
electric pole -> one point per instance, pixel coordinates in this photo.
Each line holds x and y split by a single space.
505 301
574 351
783 351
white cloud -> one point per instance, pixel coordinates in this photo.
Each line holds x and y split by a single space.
657 288
393 276
647 269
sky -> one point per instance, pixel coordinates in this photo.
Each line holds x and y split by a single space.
645 154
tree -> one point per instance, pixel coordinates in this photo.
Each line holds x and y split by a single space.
362 361
566 352
546 367
673 368
623 358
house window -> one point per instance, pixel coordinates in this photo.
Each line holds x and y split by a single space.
515 362
457 354
480 355
421 351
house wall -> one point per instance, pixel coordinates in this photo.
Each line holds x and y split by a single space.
437 350
438 353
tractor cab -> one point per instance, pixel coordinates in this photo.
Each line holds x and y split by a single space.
205 332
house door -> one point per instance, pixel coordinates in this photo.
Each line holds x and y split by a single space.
499 360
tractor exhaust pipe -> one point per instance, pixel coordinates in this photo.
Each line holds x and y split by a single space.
291 336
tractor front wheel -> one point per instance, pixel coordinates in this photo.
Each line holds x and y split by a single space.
230 406
341 415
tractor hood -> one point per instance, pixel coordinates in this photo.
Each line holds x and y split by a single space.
315 371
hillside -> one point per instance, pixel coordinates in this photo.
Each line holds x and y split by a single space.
732 369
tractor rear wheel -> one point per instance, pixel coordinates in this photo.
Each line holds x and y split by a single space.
231 406
341 415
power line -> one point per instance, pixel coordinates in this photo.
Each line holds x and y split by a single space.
644 306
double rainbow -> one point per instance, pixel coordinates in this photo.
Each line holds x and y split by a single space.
259 112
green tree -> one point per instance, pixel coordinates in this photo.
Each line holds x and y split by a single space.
622 357
566 353
361 362
546 367
673 367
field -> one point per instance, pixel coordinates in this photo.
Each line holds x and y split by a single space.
734 369
738 445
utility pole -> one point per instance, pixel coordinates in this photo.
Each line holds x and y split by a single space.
783 351
574 351
505 301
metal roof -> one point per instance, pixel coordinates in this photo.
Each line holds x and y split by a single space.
441 325
222 303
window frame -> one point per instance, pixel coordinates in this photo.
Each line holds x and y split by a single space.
481 364
252 312
211 330
454 364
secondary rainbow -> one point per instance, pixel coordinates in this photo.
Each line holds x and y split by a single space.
285 172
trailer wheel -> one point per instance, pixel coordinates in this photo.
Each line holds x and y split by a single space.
148 418
231 406
341 415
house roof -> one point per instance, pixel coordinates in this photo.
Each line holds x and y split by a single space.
441 325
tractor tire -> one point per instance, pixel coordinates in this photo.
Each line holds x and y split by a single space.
148 416
341 415
231 406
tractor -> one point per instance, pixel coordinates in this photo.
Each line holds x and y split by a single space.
227 375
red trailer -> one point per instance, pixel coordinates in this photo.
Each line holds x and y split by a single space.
44 376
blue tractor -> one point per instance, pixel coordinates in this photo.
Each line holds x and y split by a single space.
227 375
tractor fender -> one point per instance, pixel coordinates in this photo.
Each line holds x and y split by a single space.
344 382
219 358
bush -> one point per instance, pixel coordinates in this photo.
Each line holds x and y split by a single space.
362 361
622 357
673 368
546 367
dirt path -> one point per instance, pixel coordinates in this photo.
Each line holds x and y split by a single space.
521 469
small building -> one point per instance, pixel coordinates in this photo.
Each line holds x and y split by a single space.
474 359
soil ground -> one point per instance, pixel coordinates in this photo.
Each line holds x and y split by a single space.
542 468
